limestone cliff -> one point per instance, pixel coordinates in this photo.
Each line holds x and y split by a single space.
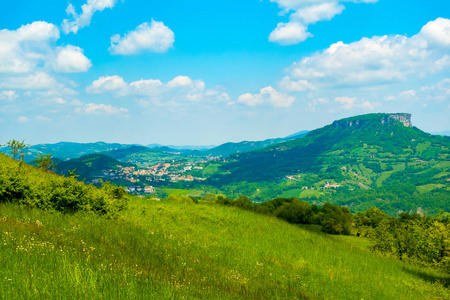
388 119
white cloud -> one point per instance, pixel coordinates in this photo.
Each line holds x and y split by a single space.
23 119
28 57
295 86
107 84
267 95
178 89
37 81
250 100
154 38
305 12
437 92
312 105
23 49
437 32
349 103
92 108
88 10
320 12
379 60
42 118
70 59
8 95
408 94
289 33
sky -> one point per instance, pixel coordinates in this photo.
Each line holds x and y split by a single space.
179 72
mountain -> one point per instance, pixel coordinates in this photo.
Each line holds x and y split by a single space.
370 160
186 147
67 150
443 133
90 166
246 146
146 157
297 135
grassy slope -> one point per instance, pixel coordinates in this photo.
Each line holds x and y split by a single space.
165 250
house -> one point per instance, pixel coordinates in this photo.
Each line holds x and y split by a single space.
329 186
149 189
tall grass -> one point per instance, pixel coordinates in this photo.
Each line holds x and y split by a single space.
167 250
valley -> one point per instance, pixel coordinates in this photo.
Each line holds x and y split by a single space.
359 162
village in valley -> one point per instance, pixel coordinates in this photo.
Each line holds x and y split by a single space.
140 180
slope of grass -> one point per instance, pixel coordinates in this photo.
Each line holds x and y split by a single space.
174 250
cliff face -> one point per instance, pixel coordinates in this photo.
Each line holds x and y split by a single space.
388 119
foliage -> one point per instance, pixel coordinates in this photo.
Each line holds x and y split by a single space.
45 161
334 219
17 148
24 184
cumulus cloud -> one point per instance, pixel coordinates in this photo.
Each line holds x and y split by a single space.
295 86
155 37
316 13
178 89
289 33
267 95
31 48
379 60
23 49
303 13
70 59
108 84
92 108
77 22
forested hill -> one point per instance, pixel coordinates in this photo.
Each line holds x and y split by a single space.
367 138
245 146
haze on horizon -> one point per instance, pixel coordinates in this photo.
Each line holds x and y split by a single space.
200 73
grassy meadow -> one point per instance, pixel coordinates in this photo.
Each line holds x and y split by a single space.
182 250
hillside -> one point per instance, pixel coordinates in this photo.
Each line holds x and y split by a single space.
364 156
174 250
67 150
90 166
246 146
60 237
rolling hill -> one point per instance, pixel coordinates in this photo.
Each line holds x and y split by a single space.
364 156
175 248
90 166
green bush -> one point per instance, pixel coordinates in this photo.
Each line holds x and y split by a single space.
27 185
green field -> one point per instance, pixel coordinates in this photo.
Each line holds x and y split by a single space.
429 187
176 250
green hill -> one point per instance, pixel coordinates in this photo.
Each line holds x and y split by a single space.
67 150
376 157
61 238
90 166
174 250
246 146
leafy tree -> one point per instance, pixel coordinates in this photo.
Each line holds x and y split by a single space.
17 148
45 161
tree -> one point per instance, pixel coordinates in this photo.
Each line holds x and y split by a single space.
44 161
17 148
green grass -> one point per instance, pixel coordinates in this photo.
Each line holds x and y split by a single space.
383 177
181 192
429 187
168 250
291 193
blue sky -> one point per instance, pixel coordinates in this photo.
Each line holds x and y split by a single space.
209 72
